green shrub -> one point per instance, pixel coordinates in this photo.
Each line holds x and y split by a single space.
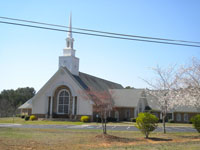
196 122
85 119
26 118
146 123
133 119
22 116
111 119
171 121
33 117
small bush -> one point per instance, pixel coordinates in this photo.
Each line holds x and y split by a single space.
33 117
196 122
133 119
125 119
111 119
22 116
171 121
85 119
146 123
27 118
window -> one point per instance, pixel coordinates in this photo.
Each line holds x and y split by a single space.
140 107
63 102
109 114
127 115
178 117
75 105
186 117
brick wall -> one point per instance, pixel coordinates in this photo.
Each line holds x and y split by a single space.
190 115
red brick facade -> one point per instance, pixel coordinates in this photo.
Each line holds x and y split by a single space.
183 117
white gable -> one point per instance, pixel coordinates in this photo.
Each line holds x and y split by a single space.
61 77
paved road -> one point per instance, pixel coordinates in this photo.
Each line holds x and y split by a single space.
118 128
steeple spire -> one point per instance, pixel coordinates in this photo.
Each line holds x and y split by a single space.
70 26
69 59
70 40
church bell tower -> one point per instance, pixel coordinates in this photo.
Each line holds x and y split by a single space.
69 60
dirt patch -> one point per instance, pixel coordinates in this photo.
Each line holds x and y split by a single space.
110 141
190 137
159 139
112 138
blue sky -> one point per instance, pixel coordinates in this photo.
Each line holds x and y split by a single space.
29 57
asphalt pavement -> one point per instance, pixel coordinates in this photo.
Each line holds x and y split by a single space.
116 128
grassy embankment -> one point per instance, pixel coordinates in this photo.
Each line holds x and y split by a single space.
64 139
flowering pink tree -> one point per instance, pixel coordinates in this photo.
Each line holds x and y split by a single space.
102 104
164 88
190 84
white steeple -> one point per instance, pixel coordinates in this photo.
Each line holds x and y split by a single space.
69 60
69 39
70 26
69 50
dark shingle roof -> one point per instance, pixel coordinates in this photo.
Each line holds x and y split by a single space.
88 81
126 97
26 105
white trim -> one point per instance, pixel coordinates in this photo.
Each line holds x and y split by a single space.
73 102
51 106
172 115
58 84
63 104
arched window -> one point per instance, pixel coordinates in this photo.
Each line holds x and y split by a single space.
63 102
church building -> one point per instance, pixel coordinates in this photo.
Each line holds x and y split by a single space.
60 97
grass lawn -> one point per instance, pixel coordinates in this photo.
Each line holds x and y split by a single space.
47 122
18 120
133 124
68 139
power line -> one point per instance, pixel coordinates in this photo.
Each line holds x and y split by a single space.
99 35
111 33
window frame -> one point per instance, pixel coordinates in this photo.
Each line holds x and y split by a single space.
58 99
178 117
184 117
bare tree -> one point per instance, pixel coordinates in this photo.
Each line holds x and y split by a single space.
102 104
164 88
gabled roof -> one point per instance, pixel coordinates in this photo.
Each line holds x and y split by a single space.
153 102
26 105
126 97
95 83
186 109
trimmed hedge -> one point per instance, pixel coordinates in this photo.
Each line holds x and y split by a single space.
171 121
27 118
133 119
22 116
109 119
33 117
85 119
